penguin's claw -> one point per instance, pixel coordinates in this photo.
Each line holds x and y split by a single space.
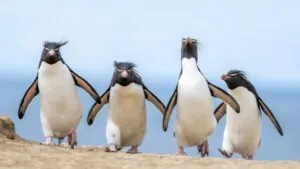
133 150
47 144
64 144
48 141
112 148
181 152
73 145
247 157
224 153
203 149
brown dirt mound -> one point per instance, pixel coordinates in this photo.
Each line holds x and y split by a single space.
7 128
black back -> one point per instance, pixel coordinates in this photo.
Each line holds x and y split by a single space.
129 69
53 47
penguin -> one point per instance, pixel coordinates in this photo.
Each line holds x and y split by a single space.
242 133
56 83
125 96
195 120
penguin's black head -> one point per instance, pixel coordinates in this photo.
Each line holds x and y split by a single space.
51 53
236 78
189 48
125 73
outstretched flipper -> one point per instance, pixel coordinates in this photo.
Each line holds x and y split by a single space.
153 99
81 82
31 92
269 113
96 107
171 104
220 111
224 96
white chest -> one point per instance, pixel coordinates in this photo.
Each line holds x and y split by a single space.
57 90
55 82
60 104
243 130
192 84
249 118
127 103
194 102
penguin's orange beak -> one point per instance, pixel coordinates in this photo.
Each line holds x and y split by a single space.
51 52
124 74
225 77
187 40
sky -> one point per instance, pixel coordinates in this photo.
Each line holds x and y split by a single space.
259 37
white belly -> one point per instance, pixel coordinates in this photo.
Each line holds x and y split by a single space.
243 130
195 118
60 105
127 115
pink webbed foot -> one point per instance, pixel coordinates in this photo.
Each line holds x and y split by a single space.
249 157
181 152
72 139
224 153
49 141
133 150
112 148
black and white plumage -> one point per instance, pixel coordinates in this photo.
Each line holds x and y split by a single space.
242 133
60 105
192 96
126 94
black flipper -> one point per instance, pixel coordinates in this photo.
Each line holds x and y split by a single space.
220 111
154 100
224 96
31 92
171 104
81 82
269 113
96 107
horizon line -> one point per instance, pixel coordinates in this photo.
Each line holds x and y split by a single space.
269 84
